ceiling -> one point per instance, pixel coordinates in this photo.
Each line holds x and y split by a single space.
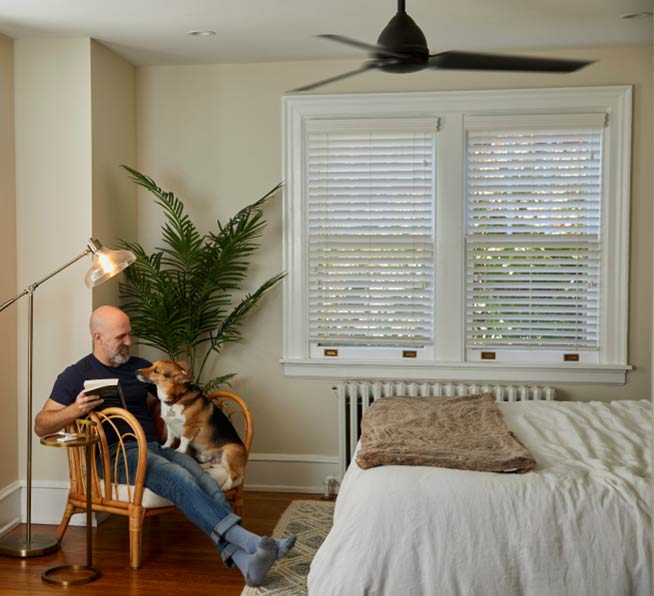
156 31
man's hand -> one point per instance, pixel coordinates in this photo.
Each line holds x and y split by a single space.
54 417
85 403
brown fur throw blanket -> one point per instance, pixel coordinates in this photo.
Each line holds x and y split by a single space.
466 432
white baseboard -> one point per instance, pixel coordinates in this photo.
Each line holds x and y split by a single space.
286 472
48 504
9 507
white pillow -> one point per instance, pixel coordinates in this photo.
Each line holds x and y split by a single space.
150 500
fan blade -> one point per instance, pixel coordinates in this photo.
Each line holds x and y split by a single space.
474 61
365 67
380 51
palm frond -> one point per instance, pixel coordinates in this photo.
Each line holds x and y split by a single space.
216 382
180 297
179 233
229 329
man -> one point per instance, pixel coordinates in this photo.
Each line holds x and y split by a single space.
175 476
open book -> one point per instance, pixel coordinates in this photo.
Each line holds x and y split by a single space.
107 389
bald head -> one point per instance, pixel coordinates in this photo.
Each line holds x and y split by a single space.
105 316
110 330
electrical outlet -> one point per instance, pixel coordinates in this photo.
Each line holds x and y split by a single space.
330 487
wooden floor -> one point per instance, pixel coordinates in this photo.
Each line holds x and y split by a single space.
177 557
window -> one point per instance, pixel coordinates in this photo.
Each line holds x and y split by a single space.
476 235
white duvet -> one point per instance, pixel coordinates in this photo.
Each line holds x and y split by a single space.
579 525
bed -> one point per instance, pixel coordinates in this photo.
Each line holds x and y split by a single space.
579 524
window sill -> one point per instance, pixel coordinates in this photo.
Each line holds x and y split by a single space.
614 374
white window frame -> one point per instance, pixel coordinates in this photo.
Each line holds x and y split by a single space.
451 109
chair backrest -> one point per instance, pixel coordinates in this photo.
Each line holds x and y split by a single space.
125 427
104 476
238 413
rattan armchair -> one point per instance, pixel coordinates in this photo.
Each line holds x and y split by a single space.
133 499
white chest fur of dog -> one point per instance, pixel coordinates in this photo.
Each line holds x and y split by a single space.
173 418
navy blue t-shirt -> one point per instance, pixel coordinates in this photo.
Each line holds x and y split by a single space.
70 382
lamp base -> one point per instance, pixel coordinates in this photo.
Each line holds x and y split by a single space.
17 546
85 574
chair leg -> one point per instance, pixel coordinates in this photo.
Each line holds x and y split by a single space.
238 501
136 516
63 524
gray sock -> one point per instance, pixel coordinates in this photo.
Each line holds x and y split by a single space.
244 539
284 546
248 542
255 566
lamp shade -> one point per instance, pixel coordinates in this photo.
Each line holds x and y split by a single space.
106 263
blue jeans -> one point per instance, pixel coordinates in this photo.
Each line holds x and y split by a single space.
180 479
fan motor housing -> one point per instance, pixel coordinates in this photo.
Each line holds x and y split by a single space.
404 36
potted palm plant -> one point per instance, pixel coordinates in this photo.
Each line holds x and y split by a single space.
183 298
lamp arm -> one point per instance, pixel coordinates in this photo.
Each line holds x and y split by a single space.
35 285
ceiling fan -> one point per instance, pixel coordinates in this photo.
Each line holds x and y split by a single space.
401 47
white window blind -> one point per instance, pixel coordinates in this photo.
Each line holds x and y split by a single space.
533 250
370 201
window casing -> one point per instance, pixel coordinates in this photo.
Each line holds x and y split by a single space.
420 267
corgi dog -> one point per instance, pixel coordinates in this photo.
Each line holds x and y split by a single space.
190 415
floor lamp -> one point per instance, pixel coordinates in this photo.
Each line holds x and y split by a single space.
105 264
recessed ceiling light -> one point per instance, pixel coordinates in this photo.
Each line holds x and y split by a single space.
206 33
636 15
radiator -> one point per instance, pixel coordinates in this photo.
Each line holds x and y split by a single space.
354 398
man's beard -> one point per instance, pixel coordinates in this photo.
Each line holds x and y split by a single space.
119 358
116 357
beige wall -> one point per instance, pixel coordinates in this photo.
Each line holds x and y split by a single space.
8 318
213 135
113 113
74 125
53 186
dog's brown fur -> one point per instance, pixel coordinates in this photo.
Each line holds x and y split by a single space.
190 414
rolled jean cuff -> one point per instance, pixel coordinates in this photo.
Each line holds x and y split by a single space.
226 553
223 526
224 548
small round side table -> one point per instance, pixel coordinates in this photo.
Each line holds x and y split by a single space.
85 573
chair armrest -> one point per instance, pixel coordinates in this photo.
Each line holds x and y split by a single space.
238 413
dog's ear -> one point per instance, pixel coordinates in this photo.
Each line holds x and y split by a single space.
186 369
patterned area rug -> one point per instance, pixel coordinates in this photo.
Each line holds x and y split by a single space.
310 521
